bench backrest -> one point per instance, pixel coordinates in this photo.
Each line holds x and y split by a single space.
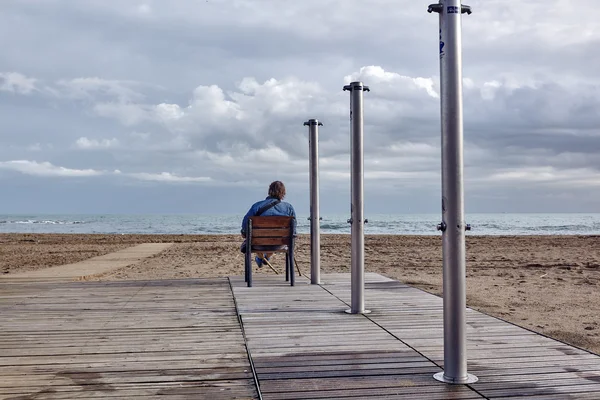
271 230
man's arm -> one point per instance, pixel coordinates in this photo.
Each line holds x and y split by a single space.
251 212
293 214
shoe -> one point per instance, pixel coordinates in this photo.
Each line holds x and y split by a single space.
259 261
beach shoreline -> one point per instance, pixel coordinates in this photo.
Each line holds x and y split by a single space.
548 284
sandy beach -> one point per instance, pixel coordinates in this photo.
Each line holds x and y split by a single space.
549 284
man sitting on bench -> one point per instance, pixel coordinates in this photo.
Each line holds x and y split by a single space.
271 206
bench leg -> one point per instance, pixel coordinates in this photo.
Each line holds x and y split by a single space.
248 265
292 272
287 267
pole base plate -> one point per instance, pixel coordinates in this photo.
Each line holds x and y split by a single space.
349 311
443 378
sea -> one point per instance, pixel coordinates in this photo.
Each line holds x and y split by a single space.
383 224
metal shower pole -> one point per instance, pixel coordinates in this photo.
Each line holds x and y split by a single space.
453 225
315 239
357 209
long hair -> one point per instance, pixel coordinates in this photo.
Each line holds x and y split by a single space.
277 190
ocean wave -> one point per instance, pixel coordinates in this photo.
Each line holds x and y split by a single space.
560 228
483 224
494 227
42 222
335 227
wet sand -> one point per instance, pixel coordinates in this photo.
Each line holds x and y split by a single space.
549 284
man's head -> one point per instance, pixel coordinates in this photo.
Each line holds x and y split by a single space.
277 190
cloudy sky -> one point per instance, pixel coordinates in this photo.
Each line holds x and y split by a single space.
121 106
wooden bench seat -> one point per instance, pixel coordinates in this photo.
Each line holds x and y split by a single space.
271 234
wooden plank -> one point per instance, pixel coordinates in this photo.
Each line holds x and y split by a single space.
350 383
563 396
269 241
418 392
182 339
301 341
210 390
569 392
271 232
271 221
175 339
304 346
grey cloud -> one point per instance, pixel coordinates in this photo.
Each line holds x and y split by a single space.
17 83
208 35
114 72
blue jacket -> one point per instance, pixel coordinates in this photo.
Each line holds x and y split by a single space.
281 209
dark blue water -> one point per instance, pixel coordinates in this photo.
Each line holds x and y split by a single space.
404 224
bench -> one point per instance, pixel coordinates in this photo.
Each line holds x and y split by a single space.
272 234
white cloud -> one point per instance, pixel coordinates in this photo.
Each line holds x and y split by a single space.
256 129
233 110
116 99
92 144
168 177
46 169
488 91
93 87
129 114
571 177
169 112
258 126
17 83
390 81
249 109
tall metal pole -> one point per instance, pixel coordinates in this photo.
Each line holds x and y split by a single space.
315 239
357 193
453 223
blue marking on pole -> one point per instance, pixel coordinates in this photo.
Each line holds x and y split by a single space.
453 10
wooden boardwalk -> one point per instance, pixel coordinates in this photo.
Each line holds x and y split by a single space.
122 340
218 339
305 347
